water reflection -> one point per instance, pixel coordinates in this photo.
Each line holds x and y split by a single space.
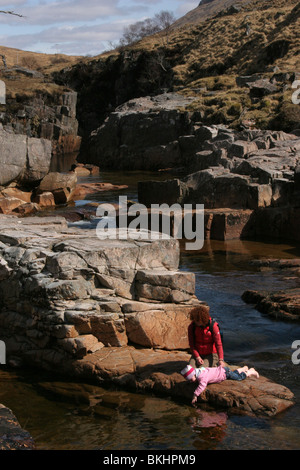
67 415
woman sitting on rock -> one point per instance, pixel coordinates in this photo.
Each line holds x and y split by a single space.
204 339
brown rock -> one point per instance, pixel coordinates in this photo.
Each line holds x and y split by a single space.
80 170
54 180
280 304
82 190
81 345
158 326
61 196
228 224
27 208
18 193
8 204
157 371
45 199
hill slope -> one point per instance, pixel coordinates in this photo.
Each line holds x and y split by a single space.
203 59
206 10
202 56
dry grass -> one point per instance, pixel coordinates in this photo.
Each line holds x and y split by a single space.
209 55
20 84
45 63
206 53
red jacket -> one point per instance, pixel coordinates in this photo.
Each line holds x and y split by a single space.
202 342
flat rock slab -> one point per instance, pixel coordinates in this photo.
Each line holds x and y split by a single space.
158 372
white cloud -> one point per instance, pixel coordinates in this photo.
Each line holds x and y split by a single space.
77 27
69 39
65 11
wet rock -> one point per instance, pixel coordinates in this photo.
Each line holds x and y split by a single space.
26 209
84 189
12 435
283 305
158 372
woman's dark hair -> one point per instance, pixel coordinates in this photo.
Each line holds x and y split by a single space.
200 314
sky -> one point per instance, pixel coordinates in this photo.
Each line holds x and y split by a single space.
74 27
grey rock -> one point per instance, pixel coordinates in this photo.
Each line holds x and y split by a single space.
13 149
39 154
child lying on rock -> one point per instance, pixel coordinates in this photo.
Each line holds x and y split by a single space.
207 375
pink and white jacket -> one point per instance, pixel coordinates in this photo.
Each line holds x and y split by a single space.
208 375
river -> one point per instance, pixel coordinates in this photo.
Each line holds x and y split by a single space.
63 415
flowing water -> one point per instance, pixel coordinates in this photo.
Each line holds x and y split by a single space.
61 414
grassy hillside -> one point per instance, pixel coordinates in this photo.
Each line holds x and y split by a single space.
207 54
18 83
201 55
207 9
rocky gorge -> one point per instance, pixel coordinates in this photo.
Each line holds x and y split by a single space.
115 311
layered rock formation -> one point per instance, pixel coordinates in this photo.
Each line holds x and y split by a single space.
248 180
37 139
80 293
114 311
51 118
246 170
279 304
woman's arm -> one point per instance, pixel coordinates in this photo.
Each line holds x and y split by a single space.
191 338
218 342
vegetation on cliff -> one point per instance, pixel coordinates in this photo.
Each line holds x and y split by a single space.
202 55
203 58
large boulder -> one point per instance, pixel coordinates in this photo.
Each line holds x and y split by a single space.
61 185
39 154
82 286
13 150
141 134
23 159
